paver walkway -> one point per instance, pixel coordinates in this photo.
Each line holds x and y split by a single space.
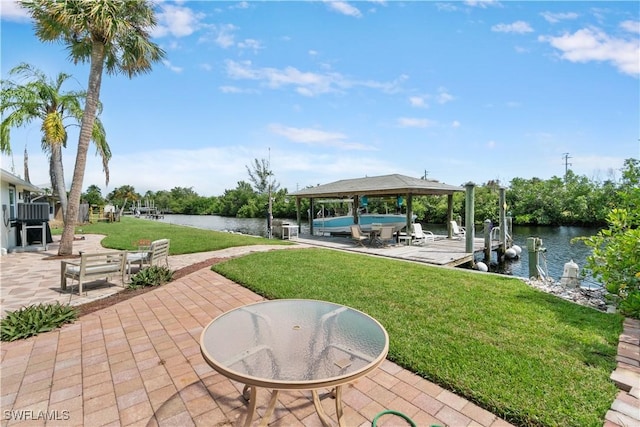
138 363
34 277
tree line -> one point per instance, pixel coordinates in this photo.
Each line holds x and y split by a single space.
570 200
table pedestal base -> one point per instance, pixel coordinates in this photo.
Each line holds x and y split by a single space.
251 394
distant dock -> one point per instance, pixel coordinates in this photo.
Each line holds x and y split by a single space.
442 251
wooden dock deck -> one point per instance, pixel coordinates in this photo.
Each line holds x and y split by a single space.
442 251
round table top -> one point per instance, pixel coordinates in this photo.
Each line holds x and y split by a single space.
294 344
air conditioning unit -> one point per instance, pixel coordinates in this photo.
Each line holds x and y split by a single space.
33 212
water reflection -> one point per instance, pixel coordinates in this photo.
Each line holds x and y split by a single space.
557 240
252 226
559 249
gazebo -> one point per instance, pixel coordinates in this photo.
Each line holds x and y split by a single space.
379 186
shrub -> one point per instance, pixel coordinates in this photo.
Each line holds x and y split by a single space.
615 260
630 306
34 319
151 276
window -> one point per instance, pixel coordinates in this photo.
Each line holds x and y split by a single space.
12 202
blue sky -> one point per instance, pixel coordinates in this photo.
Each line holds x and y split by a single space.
466 91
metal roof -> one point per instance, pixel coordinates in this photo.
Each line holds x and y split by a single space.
385 185
12 179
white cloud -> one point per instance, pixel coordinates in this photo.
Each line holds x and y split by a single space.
592 44
235 89
224 35
443 96
446 7
241 5
305 83
11 10
491 145
386 87
482 3
316 137
557 17
344 8
418 101
456 124
250 44
176 21
589 165
209 170
172 67
412 122
518 27
631 26
306 135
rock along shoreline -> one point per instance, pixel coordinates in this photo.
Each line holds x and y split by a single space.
594 298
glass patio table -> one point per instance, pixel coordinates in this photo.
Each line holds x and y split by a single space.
294 345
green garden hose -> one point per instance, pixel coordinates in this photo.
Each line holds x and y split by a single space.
374 423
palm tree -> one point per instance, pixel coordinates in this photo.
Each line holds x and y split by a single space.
123 194
40 98
111 34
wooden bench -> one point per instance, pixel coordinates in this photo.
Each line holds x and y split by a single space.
93 266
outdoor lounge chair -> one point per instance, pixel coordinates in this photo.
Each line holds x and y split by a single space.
420 236
457 230
157 252
358 236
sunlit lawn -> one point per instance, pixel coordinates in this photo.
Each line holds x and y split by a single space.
124 234
524 355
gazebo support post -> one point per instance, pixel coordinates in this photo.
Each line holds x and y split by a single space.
298 217
469 221
356 206
409 213
311 213
449 215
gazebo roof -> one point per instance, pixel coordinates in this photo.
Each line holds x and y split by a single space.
385 185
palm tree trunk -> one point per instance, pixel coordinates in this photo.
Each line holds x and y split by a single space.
122 208
57 178
26 165
86 128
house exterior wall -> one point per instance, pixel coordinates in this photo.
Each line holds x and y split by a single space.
7 233
13 190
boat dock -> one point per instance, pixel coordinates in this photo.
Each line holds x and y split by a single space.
441 251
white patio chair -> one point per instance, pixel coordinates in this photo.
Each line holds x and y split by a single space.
457 231
420 236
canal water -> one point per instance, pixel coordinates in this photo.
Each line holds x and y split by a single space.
560 249
556 240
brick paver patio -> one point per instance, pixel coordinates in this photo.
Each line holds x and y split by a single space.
138 363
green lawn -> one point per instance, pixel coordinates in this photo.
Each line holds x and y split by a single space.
184 240
522 354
